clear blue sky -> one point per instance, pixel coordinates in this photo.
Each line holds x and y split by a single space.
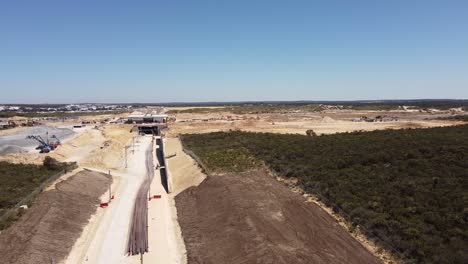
213 50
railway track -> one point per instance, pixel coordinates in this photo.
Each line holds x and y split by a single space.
138 236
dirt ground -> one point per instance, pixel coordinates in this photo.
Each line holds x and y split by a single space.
55 221
184 172
326 122
93 148
110 153
252 218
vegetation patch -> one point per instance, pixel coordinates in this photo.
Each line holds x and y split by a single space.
454 118
408 188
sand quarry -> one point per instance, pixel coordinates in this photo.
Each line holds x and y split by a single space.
247 218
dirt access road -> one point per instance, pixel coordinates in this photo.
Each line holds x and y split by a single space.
106 243
104 240
252 218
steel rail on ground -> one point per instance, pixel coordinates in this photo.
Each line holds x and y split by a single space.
138 235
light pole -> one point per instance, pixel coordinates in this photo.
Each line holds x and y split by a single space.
125 148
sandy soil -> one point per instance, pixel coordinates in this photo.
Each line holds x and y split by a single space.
252 218
184 171
166 244
109 230
322 123
96 148
79 147
51 226
69 146
18 142
104 239
110 153
11 130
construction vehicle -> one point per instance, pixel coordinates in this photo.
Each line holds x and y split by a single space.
45 146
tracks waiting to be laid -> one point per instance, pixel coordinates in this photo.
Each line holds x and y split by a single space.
138 236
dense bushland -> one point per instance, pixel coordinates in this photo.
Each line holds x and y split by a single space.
455 118
409 188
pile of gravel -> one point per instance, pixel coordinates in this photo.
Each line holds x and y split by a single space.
17 142
9 149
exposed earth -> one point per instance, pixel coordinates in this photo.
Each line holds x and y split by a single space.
17 142
48 230
252 218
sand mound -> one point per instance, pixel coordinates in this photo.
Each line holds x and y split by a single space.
18 138
183 169
327 119
110 153
8 149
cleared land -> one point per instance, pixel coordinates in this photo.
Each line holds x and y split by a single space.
297 120
56 219
408 188
90 147
252 218
17 143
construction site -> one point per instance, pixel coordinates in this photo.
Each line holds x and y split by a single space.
137 196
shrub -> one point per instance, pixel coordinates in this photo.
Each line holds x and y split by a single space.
50 163
311 133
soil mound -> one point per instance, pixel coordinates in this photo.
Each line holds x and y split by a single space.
327 119
55 221
251 218
19 139
8 149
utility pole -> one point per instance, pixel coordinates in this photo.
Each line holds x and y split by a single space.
110 190
133 147
126 164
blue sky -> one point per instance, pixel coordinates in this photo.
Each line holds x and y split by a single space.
212 50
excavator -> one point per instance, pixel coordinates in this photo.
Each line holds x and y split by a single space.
45 146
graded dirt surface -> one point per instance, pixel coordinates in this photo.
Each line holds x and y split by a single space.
325 122
110 153
17 141
55 221
183 170
251 218
90 147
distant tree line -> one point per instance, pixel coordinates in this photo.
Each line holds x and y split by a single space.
454 118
